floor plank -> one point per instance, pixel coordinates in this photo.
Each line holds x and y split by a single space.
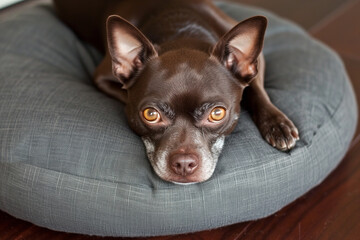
353 68
341 31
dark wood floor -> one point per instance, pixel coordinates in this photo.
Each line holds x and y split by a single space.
329 211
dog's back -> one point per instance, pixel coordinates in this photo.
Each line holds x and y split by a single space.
88 18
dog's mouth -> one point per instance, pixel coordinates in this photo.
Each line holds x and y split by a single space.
184 165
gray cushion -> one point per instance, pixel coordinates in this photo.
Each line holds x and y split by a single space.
69 162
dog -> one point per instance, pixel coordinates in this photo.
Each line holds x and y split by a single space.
181 68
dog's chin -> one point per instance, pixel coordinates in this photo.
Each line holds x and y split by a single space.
184 184
198 177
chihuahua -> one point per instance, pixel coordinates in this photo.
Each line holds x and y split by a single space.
180 67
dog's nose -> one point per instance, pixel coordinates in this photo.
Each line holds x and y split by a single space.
184 164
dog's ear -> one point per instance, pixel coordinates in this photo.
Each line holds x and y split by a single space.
128 47
239 48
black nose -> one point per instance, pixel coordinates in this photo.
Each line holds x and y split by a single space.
184 164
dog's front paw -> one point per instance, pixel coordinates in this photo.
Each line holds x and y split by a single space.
279 131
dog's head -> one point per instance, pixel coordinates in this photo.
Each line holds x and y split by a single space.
184 102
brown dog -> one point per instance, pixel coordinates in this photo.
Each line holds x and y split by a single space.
181 67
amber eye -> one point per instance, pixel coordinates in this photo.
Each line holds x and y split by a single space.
151 115
217 114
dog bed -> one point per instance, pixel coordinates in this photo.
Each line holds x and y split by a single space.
69 162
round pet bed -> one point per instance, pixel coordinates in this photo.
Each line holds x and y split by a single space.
69 162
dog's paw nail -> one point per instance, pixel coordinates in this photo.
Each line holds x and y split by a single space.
270 140
295 133
283 144
291 143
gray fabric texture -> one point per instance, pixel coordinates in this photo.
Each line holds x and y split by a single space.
69 162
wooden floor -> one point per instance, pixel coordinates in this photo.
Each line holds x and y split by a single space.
329 211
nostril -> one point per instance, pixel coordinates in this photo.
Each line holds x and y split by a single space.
183 164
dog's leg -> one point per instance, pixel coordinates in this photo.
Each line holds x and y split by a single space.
275 127
106 82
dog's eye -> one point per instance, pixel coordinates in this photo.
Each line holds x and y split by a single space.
217 114
151 115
